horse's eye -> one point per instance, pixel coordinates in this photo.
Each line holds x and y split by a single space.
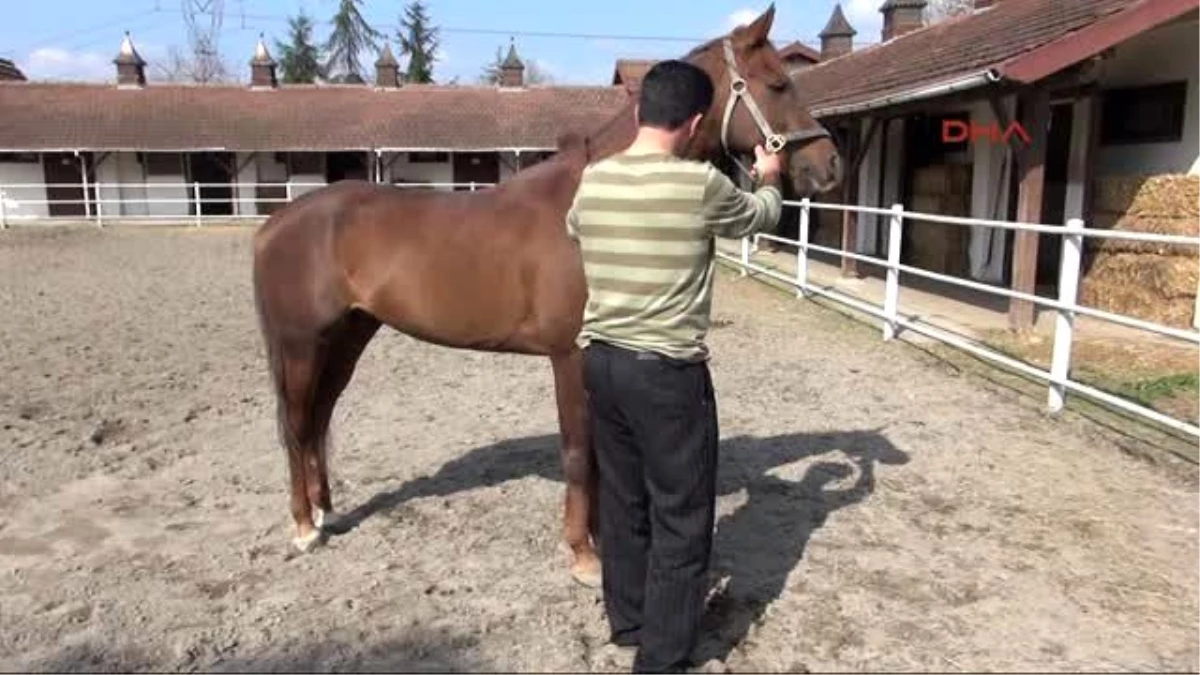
779 85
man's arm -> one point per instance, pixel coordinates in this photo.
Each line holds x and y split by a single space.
733 213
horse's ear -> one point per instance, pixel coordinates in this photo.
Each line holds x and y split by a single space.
758 32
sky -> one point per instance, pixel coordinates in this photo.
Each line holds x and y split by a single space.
77 39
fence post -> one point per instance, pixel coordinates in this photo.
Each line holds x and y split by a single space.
3 210
99 204
472 186
745 255
802 249
891 297
199 206
1064 324
287 190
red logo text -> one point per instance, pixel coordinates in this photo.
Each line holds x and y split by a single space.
957 131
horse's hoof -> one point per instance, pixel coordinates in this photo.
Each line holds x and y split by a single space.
587 573
308 542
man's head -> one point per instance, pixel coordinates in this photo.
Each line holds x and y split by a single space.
674 97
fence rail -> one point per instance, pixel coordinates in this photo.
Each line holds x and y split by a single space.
30 203
1065 306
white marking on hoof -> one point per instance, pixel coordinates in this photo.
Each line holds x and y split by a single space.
587 575
325 520
307 542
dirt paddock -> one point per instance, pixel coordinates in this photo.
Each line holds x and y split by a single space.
880 510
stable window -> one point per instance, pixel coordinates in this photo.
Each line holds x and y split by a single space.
163 163
428 157
1150 114
18 158
306 163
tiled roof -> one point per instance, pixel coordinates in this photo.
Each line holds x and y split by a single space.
629 72
799 50
9 71
39 116
996 38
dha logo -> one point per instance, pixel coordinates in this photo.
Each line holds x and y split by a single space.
957 131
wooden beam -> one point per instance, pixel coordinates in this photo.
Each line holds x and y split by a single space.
1031 165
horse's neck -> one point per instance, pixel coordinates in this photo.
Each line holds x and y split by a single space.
614 136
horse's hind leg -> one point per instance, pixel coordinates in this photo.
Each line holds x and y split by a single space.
343 346
578 466
300 365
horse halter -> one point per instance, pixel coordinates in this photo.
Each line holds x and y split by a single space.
739 92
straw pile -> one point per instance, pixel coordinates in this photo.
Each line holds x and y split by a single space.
939 247
1155 282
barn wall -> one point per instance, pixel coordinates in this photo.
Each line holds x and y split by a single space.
15 198
403 170
1162 55
121 180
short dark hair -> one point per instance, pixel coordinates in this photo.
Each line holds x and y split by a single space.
673 92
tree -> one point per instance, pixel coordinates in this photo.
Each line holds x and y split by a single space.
299 58
940 10
350 37
534 73
419 41
201 66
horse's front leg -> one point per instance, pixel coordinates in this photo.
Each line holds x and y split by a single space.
579 466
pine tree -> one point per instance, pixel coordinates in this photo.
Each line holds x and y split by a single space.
419 41
350 37
299 59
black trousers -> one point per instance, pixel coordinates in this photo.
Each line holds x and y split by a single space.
654 430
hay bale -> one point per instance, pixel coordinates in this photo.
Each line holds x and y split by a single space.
1164 196
938 247
1187 226
1153 288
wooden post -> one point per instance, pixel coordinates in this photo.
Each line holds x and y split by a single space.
1031 165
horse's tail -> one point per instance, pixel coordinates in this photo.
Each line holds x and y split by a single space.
275 367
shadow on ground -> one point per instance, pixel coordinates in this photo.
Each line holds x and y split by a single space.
419 652
757 546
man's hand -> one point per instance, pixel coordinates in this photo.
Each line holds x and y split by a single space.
767 166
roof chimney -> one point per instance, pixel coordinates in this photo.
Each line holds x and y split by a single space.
512 71
902 16
838 37
131 67
262 67
387 69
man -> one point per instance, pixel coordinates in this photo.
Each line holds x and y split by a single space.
645 221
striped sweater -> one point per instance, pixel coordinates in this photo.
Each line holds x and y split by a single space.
645 226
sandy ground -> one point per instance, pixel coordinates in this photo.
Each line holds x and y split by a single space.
880 510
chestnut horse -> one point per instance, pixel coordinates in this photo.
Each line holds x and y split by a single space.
490 271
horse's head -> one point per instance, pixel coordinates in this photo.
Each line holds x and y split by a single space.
756 103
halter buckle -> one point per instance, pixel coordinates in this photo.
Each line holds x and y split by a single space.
775 143
738 85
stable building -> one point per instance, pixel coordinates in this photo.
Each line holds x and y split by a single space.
1035 111
103 148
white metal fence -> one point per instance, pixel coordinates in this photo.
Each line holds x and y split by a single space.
100 203
108 202
1066 306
